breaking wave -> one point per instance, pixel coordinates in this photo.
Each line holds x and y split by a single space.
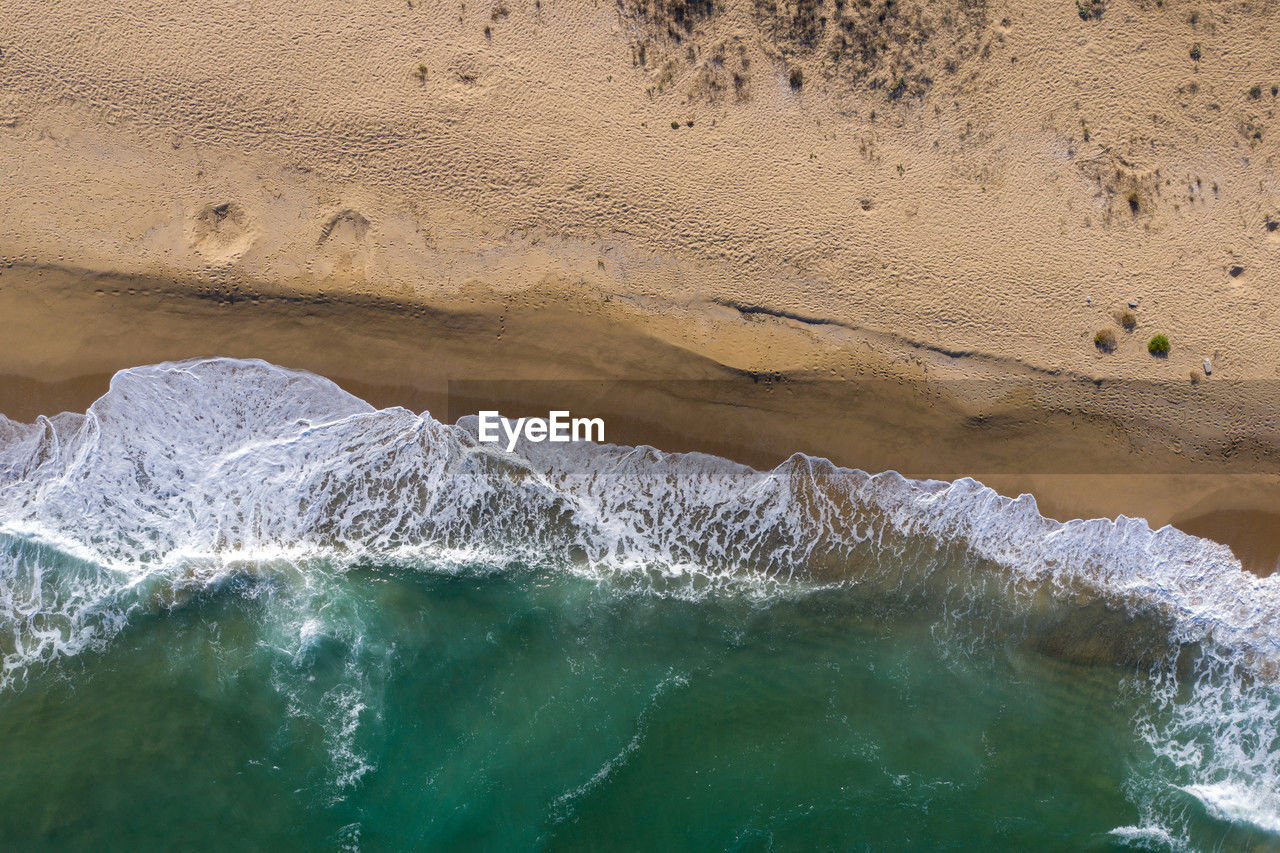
187 473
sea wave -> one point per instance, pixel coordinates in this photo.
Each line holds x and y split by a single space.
1148 837
186 471
221 460
1236 803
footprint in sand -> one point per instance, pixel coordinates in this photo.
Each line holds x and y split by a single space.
343 244
221 232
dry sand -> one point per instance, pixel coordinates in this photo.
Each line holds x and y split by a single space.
902 262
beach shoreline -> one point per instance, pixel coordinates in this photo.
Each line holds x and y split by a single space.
931 495
1082 448
947 262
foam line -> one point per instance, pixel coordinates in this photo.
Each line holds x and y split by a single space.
184 469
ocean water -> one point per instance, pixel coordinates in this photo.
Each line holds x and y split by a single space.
240 608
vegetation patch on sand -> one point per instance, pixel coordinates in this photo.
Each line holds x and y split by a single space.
896 47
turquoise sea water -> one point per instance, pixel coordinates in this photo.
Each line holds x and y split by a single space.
404 708
628 651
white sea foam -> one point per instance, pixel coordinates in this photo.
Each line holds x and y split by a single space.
185 471
1148 837
1237 803
562 807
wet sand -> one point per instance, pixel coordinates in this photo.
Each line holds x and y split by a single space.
1200 456
1254 535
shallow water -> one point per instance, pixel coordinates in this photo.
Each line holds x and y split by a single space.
404 708
239 608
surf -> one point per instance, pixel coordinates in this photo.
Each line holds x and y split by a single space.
187 477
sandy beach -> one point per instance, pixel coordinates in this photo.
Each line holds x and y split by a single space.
1084 449
934 347
739 228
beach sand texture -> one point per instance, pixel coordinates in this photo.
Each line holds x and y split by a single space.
294 144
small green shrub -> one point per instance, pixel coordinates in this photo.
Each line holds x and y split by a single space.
1255 92
1105 340
1089 9
1195 52
796 78
1158 345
